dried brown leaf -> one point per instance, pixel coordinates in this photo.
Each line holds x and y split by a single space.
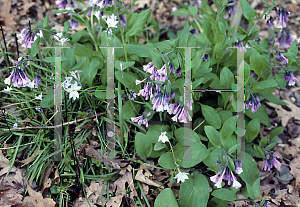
9 197
36 199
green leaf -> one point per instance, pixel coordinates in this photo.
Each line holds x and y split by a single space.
291 57
260 86
280 80
46 21
261 114
275 132
139 23
79 64
211 116
167 161
215 202
166 195
294 48
90 71
247 72
252 130
248 11
222 28
66 26
80 50
143 145
194 155
266 3
213 135
130 109
263 142
181 11
156 59
232 30
212 159
256 61
48 100
184 35
193 10
254 190
250 171
227 128
197 82
200 73
274 99
225 194
272 143
158 146
226 78
183 136
35 47
128 80
124 64
194 192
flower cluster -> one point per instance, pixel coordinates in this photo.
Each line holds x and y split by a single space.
141 119
253 101
74 87
281 57
73 23
230 9
26 38
286 39
193 32
181 113
271 162
291 78
239 45
270 22
228 175
283 17
65 4
18 76
101 3
132 95
206 57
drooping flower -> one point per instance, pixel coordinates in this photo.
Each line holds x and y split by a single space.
141 119
26 38
270 23
59 38
218 180
198 2
266 204
228 175
163 137
286 39
180 111
206 57
8 89
283 17
230 9
18 76
240 46
112 21
65 4
73 23
101 3
281 57
254 102
98 14
291 78
39 97
271 162
193 32
123 20
181 176
238 167
37 80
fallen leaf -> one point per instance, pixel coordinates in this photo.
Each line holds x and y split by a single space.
10 197
27 4
46 183
145 178
8 19
36 199
295 170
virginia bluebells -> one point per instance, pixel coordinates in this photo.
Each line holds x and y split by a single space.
286 39
26 38
240 46
65 4
281 57
123 20
291 78
73 23
283 17
141 119
18 76
230 9
193 32
271 162
270 22
37 80
206 57
238 167
226 174
253 101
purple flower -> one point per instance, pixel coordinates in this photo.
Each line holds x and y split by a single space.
178 71
18 76
291 78
218 180
283 17
228 175
230 9
258 40
240 46
206 57
180 111
65 4
37 80
171 68
281 57
162 74
238 167
101 3
271 162
266 204
141 119
254 102
198 2
25 38
73 23
286 40
270 22
193 32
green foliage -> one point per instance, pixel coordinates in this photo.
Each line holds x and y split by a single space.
166 198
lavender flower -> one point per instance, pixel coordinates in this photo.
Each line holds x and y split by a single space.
228 175
238 167
65 4
123 20
178 71
101 3
266 204
230 9
25 38
286 40
291 78
271 162
206 57
141 119
270 23
281 57
37 80
283 17
240 46
181 113
254 102
218 180
18 76
198 2
257 40
193 32
73 23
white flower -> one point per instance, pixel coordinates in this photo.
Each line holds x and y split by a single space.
31 84
59 38
59 35
15 125
110 134
39 97
97 14
8 89
73 91
181 176
163 137
73 73
112 21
